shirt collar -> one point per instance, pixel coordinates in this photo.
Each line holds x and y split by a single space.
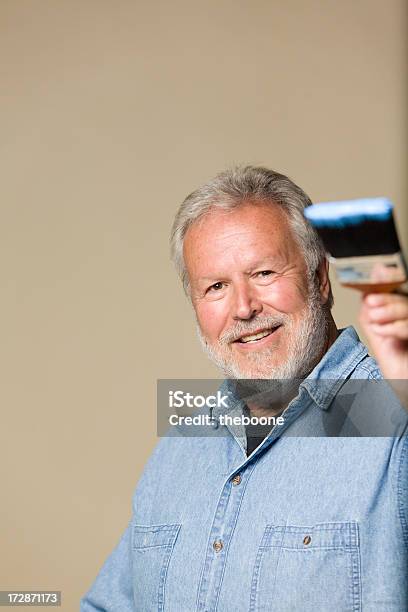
335 367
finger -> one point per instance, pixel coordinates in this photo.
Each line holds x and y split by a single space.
388 313
382 299
397 329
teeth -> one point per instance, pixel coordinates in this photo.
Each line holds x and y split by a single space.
255 337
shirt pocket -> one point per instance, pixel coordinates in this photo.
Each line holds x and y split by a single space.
152 546
308 569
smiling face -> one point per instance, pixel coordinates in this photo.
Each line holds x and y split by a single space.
258 314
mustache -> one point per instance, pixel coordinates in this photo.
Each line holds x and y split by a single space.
247 327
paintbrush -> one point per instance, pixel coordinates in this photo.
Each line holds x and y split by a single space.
362 243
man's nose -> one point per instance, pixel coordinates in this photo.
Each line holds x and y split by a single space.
246 303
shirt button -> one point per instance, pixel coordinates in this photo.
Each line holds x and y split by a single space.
236 480
217 545
306 540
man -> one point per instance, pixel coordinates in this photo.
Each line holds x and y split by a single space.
294 519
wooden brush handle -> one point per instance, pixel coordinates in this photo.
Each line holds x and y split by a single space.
392 287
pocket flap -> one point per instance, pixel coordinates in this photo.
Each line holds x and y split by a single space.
148 536
320 536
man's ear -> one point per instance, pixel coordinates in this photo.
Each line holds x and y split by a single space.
322 274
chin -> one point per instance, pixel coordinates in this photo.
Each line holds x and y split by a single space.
260 366
238 370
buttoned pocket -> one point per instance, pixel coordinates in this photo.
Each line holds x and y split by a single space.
308 569
152 546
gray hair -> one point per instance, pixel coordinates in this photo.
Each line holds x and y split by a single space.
249 184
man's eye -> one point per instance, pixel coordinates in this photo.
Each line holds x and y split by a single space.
216 286
265 273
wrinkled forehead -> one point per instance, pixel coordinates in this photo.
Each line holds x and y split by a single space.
242 235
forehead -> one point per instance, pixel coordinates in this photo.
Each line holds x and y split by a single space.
239 236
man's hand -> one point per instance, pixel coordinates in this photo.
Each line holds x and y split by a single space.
384 319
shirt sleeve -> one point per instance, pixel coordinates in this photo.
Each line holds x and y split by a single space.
112 590
402 488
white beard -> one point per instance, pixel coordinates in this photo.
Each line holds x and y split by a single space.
305 345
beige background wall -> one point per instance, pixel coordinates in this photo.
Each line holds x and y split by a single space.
112 111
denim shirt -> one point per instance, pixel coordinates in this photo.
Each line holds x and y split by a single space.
312 521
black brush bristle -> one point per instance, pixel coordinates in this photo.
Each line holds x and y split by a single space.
370 237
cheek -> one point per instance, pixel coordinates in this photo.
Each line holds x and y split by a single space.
212 317
284 296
